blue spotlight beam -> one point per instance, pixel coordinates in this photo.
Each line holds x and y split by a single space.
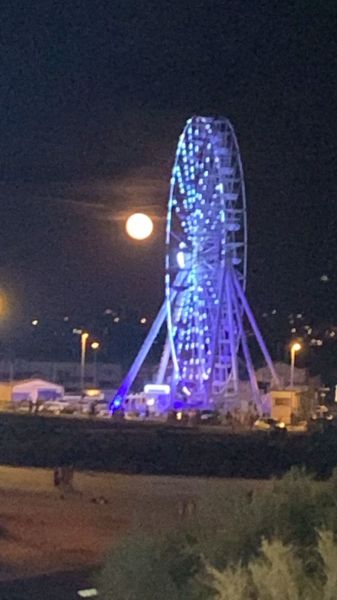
141 356
146 346
164 361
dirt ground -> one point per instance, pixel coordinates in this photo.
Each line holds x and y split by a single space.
42 533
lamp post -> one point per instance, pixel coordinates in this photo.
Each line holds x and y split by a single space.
95 348
84 339
295 347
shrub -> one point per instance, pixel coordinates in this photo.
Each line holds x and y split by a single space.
278 574
151 569
276 543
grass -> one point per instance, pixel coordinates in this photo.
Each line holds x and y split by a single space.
45 534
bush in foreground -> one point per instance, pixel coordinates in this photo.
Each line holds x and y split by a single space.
278 543
150 569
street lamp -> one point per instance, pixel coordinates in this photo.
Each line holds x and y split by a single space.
95 348
84 339
295 347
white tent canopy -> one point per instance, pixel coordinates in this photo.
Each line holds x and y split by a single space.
36 389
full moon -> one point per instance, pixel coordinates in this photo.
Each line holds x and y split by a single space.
139 226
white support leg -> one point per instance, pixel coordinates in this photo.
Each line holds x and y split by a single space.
256 330
164 361
231 325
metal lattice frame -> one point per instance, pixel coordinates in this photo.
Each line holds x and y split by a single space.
206 268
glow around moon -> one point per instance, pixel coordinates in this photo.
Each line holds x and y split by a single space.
139 226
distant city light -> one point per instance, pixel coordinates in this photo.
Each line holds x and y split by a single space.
143 320
35 322
293 330
139 226
92 392
108 311
95 345
325 278
3 304
274 311
66 319
77 331
116 319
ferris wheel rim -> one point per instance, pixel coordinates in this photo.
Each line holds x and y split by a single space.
170 282
243 189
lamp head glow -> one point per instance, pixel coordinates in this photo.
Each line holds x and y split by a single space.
139 226
296 347
95 345
181 259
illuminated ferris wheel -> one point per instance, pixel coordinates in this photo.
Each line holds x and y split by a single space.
206 240
205 307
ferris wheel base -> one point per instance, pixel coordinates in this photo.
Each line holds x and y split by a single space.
205 308
174 391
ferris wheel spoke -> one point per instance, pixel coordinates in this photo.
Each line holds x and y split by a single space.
177 236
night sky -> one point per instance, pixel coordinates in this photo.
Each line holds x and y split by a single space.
93 98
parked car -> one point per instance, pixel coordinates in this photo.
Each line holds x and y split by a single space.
101 408
56 407
134 415
24 406
320 421
300 427
269 425
323 415
209 417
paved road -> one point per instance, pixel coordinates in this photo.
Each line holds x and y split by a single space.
60 586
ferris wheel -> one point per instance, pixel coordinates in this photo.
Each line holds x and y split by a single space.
205 306
206 238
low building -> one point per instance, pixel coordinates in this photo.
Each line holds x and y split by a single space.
291 405
33 390
301 376
68 374
6 389
36 390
